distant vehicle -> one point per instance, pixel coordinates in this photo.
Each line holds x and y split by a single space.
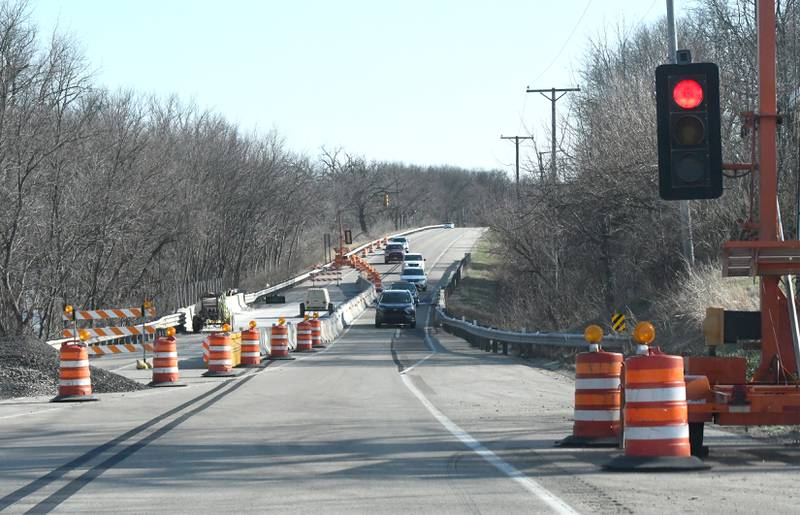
400 239
410 287
270 298
449 225
211 310
414 261
394 253
396 307
317 299
416 276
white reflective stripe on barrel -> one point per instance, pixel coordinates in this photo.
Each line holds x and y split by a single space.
677 393
250 354
165 370
304 331
597 415
165 355
217 348
220 362
609 383
75 364
657 432
86 381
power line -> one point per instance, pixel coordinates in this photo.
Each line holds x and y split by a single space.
561 50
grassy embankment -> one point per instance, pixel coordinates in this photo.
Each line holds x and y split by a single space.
476 298
678 313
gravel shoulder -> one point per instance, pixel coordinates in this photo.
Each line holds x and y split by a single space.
29 367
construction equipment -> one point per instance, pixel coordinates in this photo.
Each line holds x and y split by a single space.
718 389
210 311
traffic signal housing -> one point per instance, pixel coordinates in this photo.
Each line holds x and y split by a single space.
385 200
689 140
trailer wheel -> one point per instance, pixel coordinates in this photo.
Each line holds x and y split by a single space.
696 439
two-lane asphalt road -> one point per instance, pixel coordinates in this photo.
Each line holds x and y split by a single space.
384 421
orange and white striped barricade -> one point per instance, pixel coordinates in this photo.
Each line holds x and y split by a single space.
598 399
304 337
220 355
251 347
316 332
279 342
74 377
656 429
165 361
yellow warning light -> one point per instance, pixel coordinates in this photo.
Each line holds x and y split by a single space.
306 317
84 335
252 324
170 331
147 304
316 315
593 334
644 333
226 328
281 321
68 309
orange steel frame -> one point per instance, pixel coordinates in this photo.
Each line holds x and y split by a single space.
772 396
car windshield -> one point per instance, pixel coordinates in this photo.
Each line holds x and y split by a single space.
413 271
399 240
404 286
394 247
413 257
395 297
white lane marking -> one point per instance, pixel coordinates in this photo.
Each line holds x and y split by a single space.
29 413
428 341
554 502
397 333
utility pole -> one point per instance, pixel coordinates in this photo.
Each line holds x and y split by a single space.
516 146
685 214
551 95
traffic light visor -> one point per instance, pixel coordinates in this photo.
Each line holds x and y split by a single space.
688 93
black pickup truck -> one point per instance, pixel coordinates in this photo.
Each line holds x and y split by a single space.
394 253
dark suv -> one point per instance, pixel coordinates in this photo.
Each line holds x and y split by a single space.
405 285
394 253
396 307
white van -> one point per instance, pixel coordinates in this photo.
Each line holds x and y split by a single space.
317 299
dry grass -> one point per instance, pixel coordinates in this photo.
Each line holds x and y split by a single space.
476 296
681 310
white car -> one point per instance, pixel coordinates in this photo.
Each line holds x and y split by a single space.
400 239
414 261
416 276
449 225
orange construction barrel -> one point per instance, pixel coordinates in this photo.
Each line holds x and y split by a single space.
597 400
304 337
279 342
74 380
165 361
316 333
220 355
656 429
251 347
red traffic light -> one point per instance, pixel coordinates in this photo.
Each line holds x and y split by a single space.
688 93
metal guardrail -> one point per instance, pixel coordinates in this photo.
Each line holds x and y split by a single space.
488 337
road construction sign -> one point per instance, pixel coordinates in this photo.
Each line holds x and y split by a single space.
618 322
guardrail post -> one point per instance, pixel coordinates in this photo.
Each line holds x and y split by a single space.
494 346
505 348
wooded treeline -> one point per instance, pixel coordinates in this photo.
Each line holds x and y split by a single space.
600 239
107 199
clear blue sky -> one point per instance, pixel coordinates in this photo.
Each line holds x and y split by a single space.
424 82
